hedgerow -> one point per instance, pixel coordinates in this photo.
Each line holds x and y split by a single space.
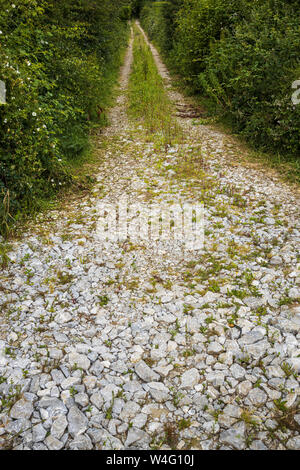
249 75
243 55
58 61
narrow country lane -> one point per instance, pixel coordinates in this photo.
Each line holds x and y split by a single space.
145 344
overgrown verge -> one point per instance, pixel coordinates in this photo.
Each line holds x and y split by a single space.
59 62
148 101
241 56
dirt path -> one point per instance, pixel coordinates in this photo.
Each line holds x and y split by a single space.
141 344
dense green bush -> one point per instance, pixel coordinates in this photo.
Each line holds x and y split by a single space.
58 61
249 75
184 29
158 19
242 54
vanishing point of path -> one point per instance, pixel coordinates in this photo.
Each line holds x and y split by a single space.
122 345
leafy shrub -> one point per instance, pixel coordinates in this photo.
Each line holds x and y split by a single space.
147 96
249 75
243 55
184 30
158 19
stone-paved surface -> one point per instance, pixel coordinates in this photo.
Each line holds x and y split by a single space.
144 345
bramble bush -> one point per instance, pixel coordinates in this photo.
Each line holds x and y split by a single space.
243 55
58 61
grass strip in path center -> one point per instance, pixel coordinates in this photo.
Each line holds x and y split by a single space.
148 101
